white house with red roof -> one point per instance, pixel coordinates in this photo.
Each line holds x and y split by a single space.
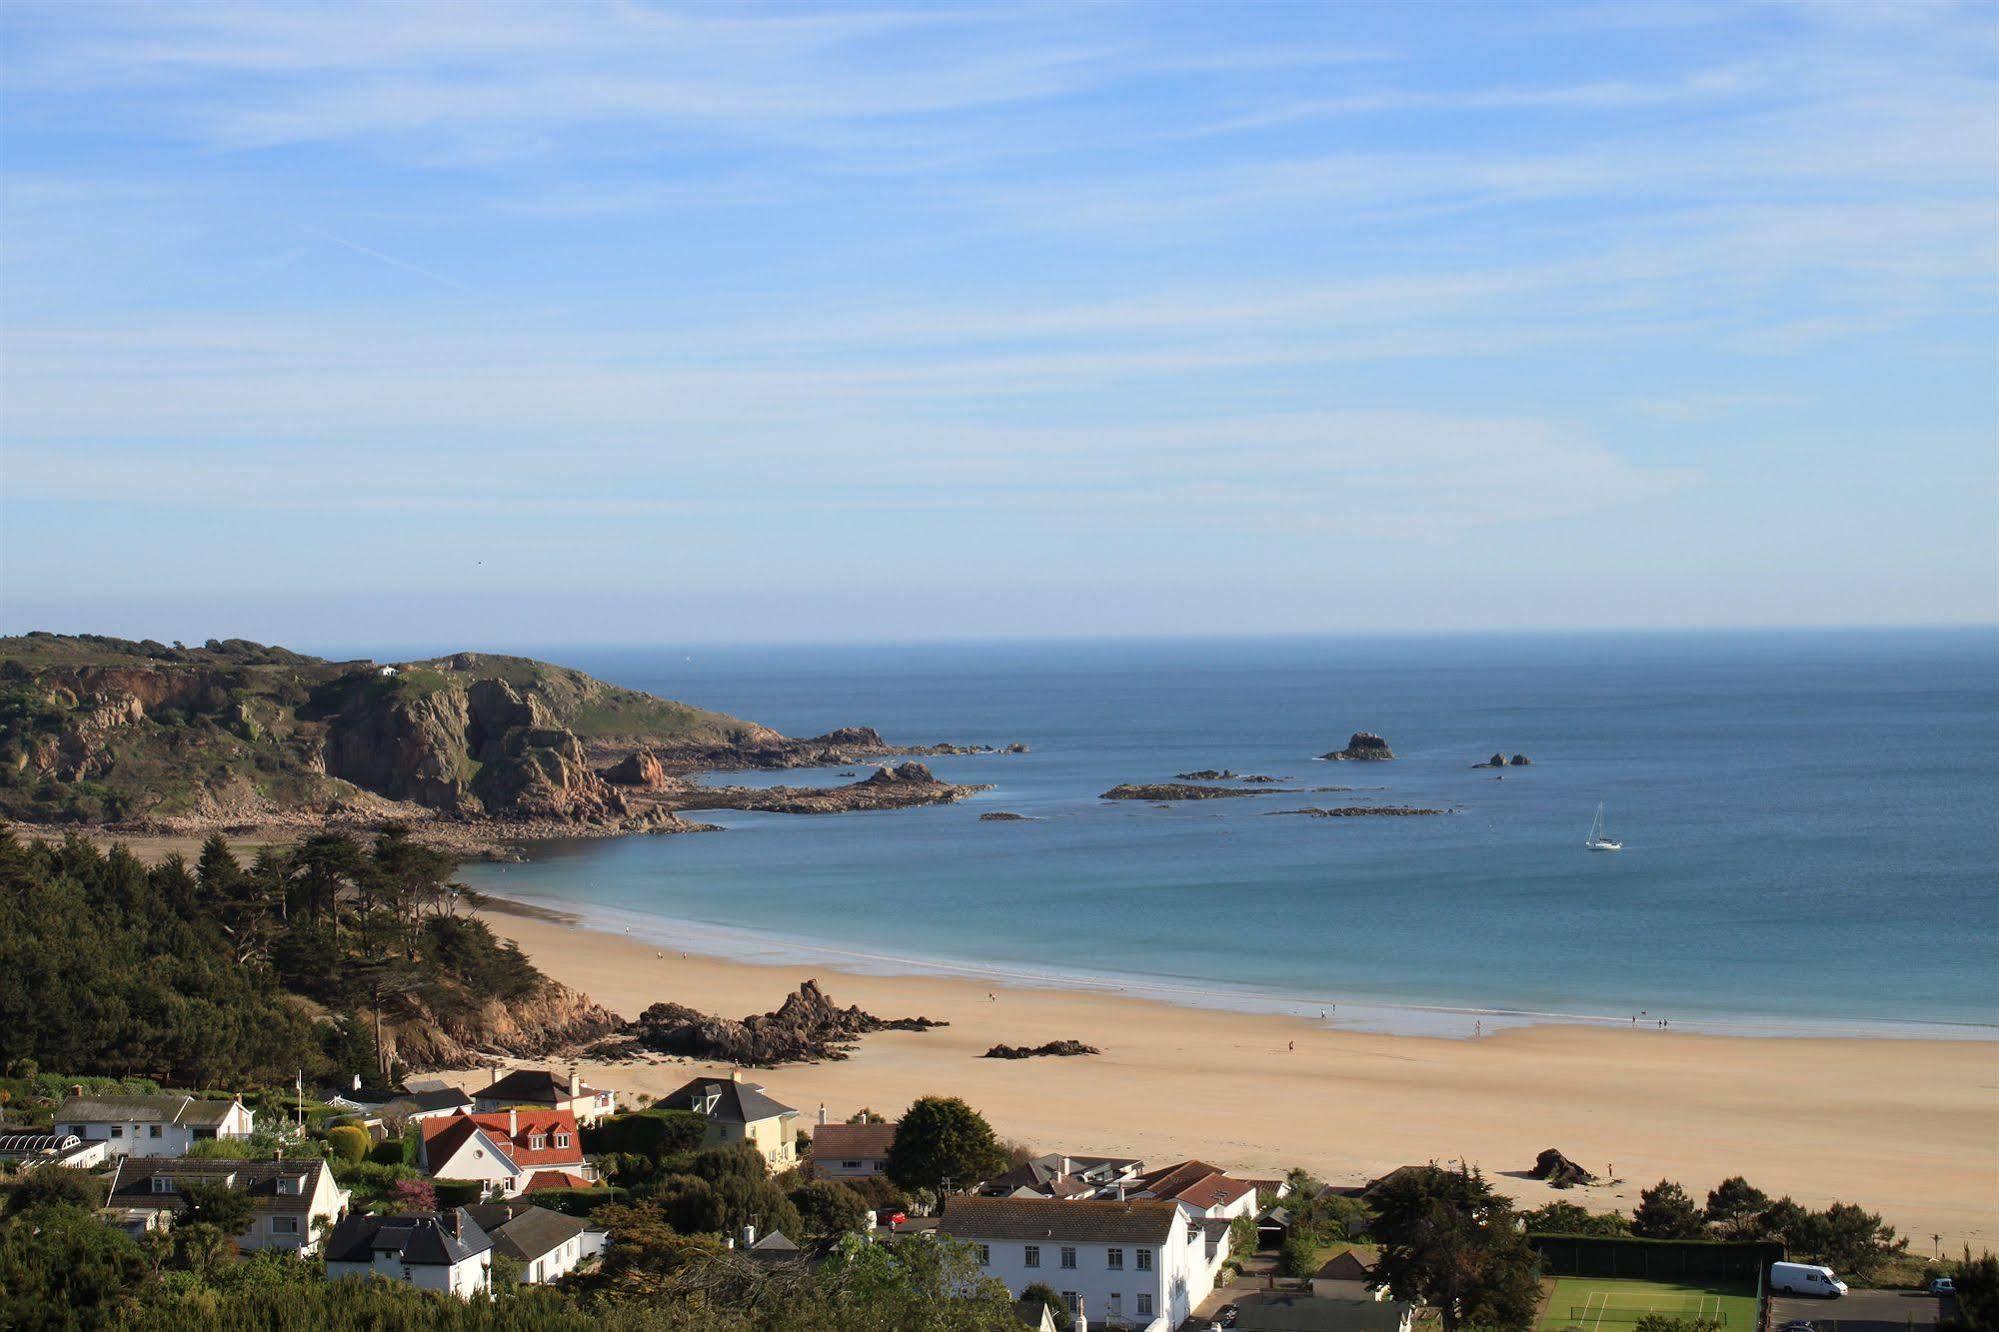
510 1152
1202 1190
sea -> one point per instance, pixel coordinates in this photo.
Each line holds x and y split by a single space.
1810 827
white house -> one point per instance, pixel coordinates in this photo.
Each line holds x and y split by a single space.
296 1200
1140 1263
738 1111
548 1245
510 1153
850 1151
441 1251
151 1125
38 1147
543 1090
1201 1190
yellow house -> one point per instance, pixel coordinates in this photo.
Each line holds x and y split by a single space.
738 1111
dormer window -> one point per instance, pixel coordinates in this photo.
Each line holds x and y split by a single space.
163 1184
561 1139
292 1184
537 1141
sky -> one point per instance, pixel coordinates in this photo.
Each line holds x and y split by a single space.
497 323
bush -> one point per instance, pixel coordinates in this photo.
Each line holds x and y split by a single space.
653 1134
348 1143
389 1151
457 1192
1041 1290
1298 1255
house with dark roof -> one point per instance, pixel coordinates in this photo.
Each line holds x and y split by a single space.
151 1125
1060 1176
1201 1189
850 1151
542 1089
773 1250
295 1200
417 1106
509 1153
547 1245
1346 1276
737 1112
441 1251
1139 1263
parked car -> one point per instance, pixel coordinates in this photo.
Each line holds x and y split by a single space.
1806 1279
1942 1286
1798 1325
1227 1315
890 1217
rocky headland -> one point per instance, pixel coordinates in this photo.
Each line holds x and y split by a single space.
1363 747
473 751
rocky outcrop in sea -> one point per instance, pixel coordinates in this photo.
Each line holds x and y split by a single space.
1362 746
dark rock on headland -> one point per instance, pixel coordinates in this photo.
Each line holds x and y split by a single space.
903 774
1179 791
1363 811
1362 746
1559 1170
1016 748
641 767
1260 779
1002 816
806 1028
1206 775
1520 760
1030 1052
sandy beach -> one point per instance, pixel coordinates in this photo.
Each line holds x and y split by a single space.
1909 1128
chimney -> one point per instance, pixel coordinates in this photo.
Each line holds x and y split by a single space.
822 1112
452 1222
728 1241
1120 1190
492 1074
76 1090
513 1121
735 1075
749 1237
357 1082
575 1084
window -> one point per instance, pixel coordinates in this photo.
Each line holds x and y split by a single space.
291 1184
562 1139
1070 1299
1117 1304
1144 1304
985 1255
163 1184
1031 1255
537 1141
1068 1256
1114 1259
284 1225
152 1130
1145 1260
117 1132
850 1165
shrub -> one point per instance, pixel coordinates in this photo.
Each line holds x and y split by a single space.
348 1143
388 1152
457 1192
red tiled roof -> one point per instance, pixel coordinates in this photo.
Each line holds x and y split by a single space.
555 1179
835 1142
1195 1183
443 1137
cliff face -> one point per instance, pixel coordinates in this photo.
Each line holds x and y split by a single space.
558 1018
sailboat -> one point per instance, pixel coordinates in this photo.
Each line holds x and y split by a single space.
1598 840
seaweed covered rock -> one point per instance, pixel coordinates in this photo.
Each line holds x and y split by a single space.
1035 1051
806 1028
1559 1170
1362 746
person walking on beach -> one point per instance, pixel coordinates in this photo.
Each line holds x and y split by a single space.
1478 1029
1292 1046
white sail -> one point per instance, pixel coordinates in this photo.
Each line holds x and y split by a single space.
1598 840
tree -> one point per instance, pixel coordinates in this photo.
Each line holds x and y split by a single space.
1977 1281
1734 1205
1449 1241
54 1186
1567 1218
60 1267
1849 1239
413 1195
348 1143
1041 1290
828 1207
942 1144
1782 1220
1665 1211
1298 1255
210 1202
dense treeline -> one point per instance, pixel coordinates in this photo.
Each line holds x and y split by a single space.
194 974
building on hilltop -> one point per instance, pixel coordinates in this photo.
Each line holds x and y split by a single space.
509 1153
544 1090
737 1112
151 1125
1139 1263
441 1251
296 1200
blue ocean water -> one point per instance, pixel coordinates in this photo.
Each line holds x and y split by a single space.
1809 822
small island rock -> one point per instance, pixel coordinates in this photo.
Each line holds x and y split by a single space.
1362 746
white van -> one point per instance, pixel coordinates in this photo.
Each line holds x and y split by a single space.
1805 1279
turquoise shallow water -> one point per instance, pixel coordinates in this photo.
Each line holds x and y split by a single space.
1809 821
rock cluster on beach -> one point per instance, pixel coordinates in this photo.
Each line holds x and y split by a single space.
1031 1052
1362 746
1559 1170
806 1028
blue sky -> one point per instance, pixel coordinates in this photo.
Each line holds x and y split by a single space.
501 323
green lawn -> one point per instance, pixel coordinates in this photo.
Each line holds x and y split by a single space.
1604 1304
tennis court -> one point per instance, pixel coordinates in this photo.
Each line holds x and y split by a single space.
1602 1304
